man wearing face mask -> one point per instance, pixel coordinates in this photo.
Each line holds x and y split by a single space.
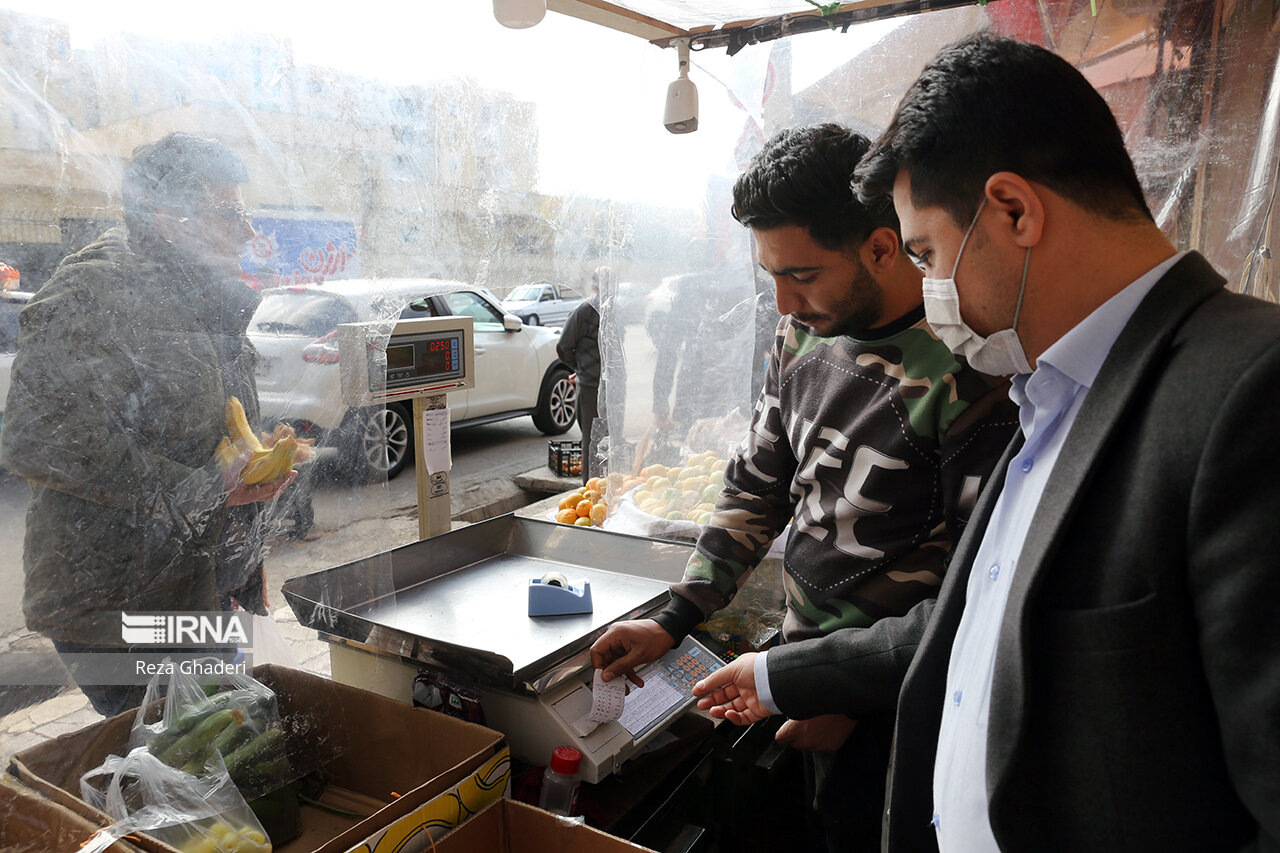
868 431
1101 670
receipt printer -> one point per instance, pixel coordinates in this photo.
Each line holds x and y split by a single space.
563 715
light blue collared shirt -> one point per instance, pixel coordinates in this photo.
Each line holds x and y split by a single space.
1048 401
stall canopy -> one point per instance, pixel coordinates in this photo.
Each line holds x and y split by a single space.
733 24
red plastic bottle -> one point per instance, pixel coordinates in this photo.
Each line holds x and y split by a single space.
560 781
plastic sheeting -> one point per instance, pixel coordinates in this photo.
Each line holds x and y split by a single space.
358 180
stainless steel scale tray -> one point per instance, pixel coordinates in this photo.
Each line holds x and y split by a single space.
458 602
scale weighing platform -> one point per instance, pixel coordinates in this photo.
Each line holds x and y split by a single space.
458 604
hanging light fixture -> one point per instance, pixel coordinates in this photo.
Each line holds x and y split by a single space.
519 14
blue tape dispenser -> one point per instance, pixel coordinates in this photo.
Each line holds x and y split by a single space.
553 595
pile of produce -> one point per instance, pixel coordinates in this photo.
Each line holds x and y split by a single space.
210 734
248 738
586 507
685 492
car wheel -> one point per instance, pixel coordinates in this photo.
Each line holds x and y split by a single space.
557 404
533 320
381 442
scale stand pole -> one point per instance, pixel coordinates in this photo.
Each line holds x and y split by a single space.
434 515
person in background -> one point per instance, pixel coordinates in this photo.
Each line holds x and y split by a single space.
579 348
1101 670
868 431
700 346
126 360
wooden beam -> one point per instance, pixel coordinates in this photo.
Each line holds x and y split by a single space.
616 18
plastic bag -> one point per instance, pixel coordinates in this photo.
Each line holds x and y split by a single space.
232 716
270 645
205 814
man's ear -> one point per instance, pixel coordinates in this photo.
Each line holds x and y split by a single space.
880 250
1019 207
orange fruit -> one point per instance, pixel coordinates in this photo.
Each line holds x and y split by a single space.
567 516
593 484
584 508
592 495
583 522
598 513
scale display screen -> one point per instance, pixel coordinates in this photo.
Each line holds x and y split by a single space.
424 358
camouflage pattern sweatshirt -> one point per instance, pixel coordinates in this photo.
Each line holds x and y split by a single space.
878 448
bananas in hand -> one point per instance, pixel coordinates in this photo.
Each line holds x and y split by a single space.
264 466
242 435
269 461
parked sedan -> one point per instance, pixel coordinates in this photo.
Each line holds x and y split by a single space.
541 303
295 332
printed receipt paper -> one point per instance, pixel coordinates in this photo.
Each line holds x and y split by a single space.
607 701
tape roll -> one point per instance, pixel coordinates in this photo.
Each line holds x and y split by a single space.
555 579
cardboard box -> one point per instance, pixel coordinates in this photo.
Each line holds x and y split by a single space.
381 758
31 824
430 822
508 826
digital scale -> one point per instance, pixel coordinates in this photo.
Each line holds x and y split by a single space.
509 606
457 604
421 359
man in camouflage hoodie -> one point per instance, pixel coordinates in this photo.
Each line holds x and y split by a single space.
870 436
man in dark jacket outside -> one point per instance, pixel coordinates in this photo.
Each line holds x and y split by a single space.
127 358
579 348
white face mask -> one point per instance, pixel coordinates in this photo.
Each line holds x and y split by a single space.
999 354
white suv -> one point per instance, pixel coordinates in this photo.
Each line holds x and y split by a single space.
295 333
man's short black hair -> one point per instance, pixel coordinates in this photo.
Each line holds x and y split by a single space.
987 104
175 172
801 177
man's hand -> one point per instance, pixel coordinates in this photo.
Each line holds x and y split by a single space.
627 645
820 734
730 692
240 493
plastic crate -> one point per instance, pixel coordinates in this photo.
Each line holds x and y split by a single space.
564 458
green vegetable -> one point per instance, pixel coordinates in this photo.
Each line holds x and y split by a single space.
231 737
266 775
253 751
186 721
190 744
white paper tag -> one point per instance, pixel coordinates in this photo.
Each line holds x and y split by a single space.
435 440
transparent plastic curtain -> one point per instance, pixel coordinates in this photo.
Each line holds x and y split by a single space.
115 499
1192 84
471 180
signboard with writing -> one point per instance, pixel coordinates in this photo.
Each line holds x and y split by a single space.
299 251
